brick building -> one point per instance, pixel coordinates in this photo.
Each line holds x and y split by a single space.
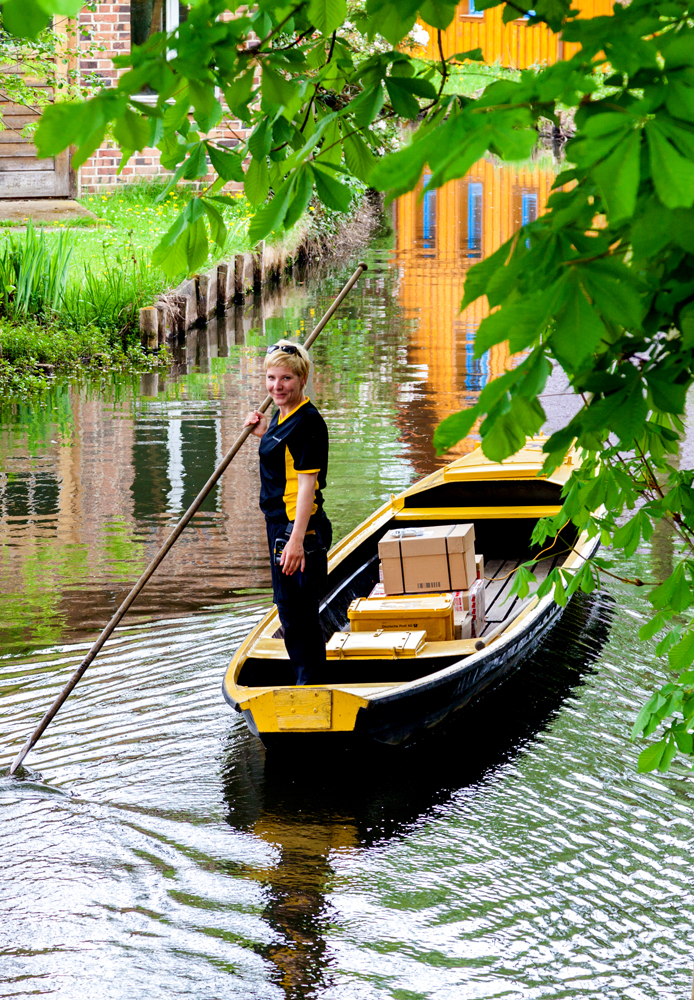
116 26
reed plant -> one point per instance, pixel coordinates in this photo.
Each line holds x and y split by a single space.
110 297
34 273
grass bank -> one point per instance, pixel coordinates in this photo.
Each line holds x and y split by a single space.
70 293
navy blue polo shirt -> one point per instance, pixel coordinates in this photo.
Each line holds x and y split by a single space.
293 444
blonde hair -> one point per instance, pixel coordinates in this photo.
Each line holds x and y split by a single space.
299 363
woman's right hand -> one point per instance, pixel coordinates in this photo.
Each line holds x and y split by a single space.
258 421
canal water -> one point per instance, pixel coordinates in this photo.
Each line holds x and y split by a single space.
152 850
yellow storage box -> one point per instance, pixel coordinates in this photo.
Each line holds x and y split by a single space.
380 644
433 613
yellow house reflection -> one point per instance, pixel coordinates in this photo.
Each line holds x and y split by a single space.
439 235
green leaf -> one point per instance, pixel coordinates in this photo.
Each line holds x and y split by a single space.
642 718
358 157
687 326
327 15
578 329
652 627
24 18
238 94
208 110
256 182
478 277
415 85
367 105
684 741
618 178
176 115
228 165
477 55
333 194
392 20
454 428
88 147
184 247
520 322
670 639
650 758
669 392
672 174
629 535
132 131
681 655
331 149
437 13
523 579
270 217
668 754
404 104
196 164
75 124
673 594
504 433
276 91
217 227
680 100
260 141
613 293
303 189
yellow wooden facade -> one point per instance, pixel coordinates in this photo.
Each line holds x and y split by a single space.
515 44
441 235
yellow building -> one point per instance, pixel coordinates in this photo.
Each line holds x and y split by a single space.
516 44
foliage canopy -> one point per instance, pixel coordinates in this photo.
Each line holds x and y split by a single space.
602 284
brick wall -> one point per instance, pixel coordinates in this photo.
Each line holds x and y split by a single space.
109 25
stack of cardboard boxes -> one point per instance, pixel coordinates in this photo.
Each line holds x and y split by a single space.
431 579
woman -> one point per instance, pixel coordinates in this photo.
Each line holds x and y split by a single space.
293 466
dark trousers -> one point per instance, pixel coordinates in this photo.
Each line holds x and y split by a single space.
298 597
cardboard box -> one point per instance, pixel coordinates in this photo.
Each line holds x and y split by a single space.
479 566
434 613
472 602
436 559
463 627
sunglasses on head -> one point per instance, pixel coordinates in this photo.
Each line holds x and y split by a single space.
287 348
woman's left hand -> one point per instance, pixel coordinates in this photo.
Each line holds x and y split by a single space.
293 557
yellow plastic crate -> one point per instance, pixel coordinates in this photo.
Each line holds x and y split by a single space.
379 644
433 613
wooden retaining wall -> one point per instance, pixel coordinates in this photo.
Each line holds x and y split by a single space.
198 299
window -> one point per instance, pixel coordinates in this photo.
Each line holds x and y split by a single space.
426 221
472 10
528 207
474 219
147 17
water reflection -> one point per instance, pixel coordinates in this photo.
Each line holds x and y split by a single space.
312 809
439 236
93 479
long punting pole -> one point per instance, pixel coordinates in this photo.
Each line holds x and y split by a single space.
167 546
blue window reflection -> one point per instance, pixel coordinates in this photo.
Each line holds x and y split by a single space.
528 207
474 219
476 369
428 217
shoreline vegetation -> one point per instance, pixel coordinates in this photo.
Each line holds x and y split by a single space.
71 294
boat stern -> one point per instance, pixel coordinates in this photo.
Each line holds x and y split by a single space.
301 710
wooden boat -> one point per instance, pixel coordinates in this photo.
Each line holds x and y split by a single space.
388 697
